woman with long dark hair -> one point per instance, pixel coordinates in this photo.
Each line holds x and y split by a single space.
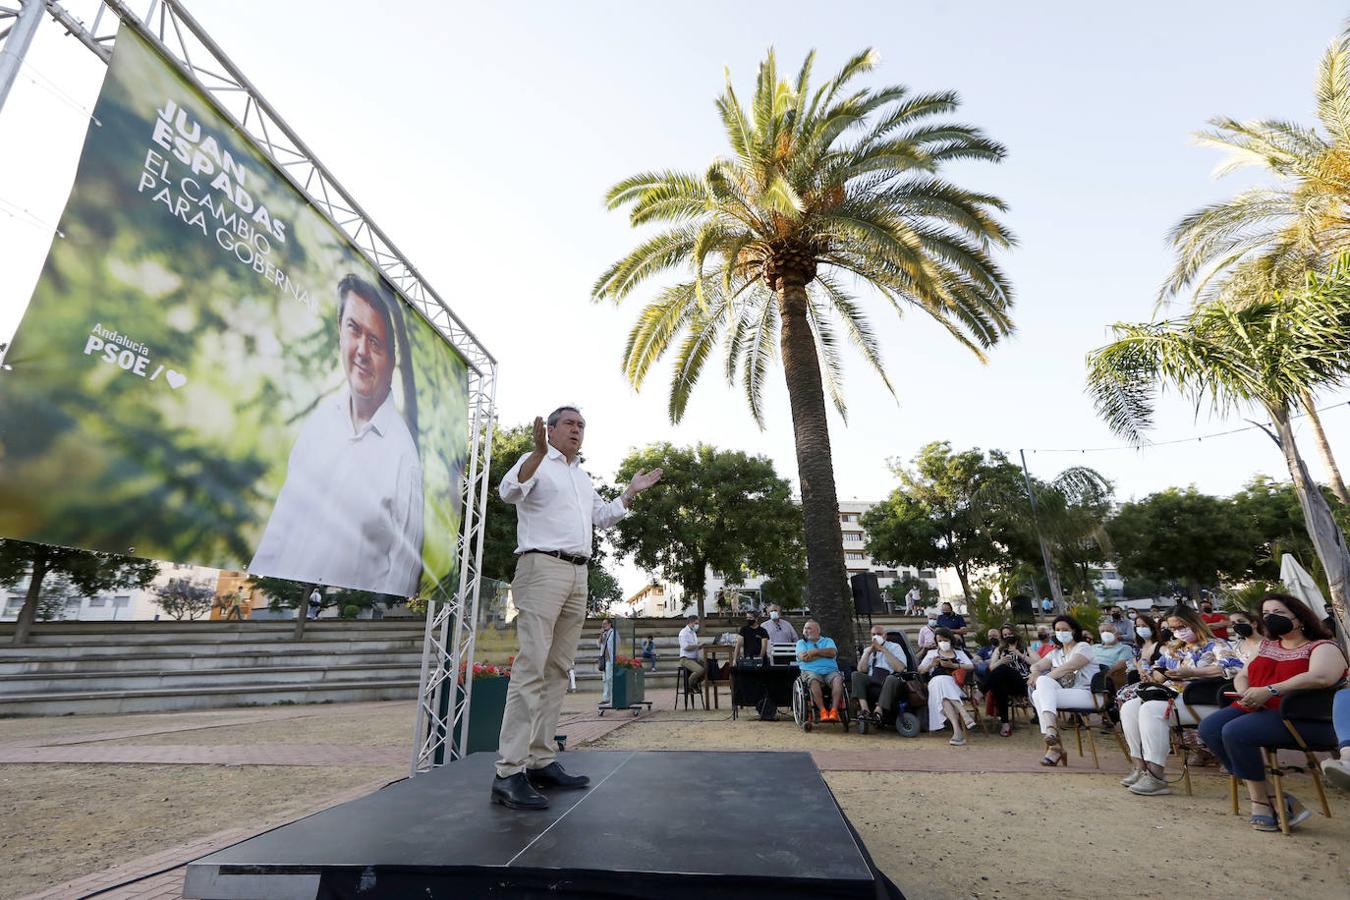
1009 666
1063 677
1298 655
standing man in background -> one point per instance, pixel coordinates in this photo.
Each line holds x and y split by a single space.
556 507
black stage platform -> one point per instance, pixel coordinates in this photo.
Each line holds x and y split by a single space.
653 824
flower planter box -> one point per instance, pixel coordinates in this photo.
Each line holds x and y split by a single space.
485 713
629 687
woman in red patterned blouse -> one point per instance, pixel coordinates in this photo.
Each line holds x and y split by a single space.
1297 656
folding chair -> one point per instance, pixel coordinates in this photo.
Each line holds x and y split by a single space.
1204 692
1297 707
1102 697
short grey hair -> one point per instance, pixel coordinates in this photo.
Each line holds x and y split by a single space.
554 416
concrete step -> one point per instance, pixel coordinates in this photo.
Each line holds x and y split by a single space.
234 636
196 662
238 677
158 700
215 648
167 626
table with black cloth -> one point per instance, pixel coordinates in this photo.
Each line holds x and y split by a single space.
750 684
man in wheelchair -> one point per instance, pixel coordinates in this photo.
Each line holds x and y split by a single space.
816 658
879 675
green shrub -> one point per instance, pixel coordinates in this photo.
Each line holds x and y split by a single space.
350 611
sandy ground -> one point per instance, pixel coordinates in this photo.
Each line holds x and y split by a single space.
61 822
1051 834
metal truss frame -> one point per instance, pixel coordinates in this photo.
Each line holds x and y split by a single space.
442 720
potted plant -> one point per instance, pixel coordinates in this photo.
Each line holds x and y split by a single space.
629 682
488 704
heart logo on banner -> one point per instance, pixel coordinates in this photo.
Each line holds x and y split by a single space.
175 379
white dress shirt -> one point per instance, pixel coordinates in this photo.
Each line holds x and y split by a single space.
880 661
350 511
689 648
556 508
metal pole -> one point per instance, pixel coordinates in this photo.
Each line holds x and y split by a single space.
1056 592
16 44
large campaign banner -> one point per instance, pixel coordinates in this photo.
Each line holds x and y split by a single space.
210 372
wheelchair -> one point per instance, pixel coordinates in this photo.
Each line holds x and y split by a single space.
904 718
803 706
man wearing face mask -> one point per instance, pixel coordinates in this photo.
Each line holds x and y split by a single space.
927 635
1124 626
1217 622
691 654
780 630
1113 654
753 640
881 660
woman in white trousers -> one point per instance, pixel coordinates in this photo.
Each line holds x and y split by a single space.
1061 679
1194 652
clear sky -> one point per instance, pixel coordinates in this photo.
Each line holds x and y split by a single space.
482 138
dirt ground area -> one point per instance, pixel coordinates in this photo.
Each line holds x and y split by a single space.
1053 833
60 822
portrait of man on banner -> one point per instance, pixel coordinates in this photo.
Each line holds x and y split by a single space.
350 510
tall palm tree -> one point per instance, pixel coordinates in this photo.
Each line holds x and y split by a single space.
1263 354
821 187
1268 238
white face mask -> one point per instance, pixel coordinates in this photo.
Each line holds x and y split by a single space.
932 622
944 645
693 627
1064 636
774 615
878 639
1108 638
1144 632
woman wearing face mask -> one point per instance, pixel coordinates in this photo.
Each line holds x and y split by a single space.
1009 667
1297 655
1194 653
1063 677
1150 645
944 694
1246 637
927 634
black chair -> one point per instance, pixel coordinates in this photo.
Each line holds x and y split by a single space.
1103 696
1301 707
1201 692
682 687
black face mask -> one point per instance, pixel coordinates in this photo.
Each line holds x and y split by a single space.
1207 609
1278 625
1243 629
1115 616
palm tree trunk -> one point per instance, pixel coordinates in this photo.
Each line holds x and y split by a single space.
28 614
827 579
1326 535
1324 449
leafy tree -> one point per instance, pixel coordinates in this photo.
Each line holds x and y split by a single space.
89 573
900 587
718 509
1073 509
1266 239
1180 535
181 599
822 187
1263 354
787 588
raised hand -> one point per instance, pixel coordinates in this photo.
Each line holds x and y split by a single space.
641 481
540 435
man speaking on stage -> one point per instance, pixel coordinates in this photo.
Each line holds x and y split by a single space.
556 507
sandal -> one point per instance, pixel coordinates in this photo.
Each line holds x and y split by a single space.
1005 730
1263 823
1060 758
1295 813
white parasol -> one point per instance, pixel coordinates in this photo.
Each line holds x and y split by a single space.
1302 586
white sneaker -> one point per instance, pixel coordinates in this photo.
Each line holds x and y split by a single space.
1337 772
1148 786
1131 778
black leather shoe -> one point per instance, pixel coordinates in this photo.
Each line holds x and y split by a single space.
552 775
516 792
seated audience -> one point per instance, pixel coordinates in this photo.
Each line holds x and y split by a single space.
983 655
1246 640
944 694
878 667
1043 644
953 621
753 640
927 637
1337 769
816 657
1217 621
1194 653
1297 655
1063 677
691 654
1113 654
1124 626
1008 670
1150 643
649 652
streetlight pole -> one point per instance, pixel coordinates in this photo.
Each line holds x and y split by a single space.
16 39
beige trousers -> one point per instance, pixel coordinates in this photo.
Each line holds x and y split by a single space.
550 599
